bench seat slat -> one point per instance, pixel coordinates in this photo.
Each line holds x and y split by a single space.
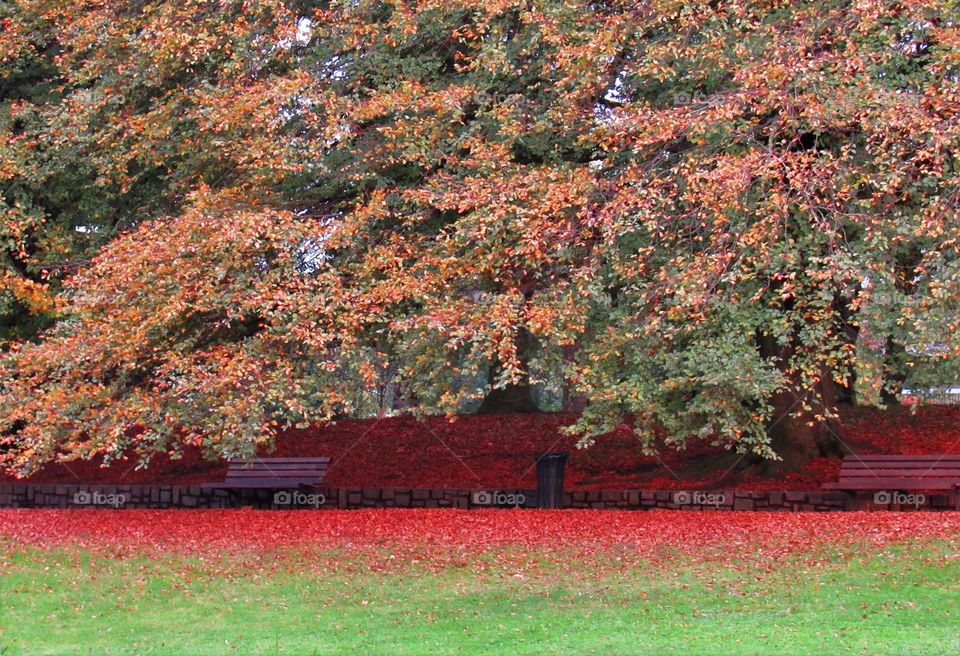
267 479
257 471
894 484
934 472
267 483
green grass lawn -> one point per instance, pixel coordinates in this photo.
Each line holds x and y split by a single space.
899 599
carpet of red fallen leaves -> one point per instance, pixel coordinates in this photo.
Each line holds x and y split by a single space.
441 538
498 451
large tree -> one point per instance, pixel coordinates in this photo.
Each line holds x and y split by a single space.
704 216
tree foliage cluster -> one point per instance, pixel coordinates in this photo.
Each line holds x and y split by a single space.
716 219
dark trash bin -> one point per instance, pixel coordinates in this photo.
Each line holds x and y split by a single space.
550 468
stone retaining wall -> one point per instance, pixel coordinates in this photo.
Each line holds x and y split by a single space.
167 496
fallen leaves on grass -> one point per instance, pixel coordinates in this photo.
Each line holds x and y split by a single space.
424 535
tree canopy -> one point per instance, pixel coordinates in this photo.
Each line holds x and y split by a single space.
712 219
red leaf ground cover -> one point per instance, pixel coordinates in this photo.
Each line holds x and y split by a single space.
498 451
441 537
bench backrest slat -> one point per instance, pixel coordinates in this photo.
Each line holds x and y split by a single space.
902 458
856 464
287 470
277 468
281 461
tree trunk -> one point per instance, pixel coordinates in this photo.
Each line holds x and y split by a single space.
516 397
572 402
893 376
796 436
847 394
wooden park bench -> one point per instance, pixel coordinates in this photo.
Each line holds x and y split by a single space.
899 473
274 473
